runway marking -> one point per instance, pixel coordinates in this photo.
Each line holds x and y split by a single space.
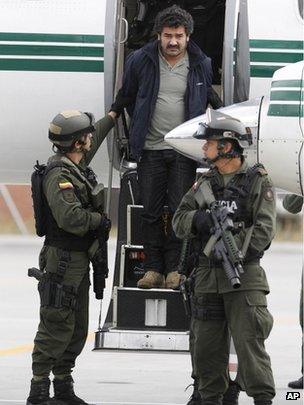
16 350
28 348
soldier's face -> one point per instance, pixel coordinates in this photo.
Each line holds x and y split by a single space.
210 150
87 142
173 41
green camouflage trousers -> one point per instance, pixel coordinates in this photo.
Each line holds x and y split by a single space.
62 331
244 316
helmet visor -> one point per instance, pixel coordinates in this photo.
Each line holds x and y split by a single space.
205 132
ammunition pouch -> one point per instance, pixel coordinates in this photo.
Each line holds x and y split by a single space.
51 290
56 295
206 310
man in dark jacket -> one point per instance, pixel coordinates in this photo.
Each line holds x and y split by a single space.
165 83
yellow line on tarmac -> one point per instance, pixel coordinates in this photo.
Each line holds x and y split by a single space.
28 348
16 350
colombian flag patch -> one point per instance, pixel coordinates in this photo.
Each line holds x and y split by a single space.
65 185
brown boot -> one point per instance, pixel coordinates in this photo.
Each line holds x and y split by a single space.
152 279
173 280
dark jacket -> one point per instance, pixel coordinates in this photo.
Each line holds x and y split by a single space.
141 85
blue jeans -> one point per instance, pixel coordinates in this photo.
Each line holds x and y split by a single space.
164 176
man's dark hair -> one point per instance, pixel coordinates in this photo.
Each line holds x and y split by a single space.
236 148
173 17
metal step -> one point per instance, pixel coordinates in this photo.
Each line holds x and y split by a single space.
114 338
154 309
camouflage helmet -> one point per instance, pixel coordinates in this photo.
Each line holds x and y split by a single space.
70 125
221 126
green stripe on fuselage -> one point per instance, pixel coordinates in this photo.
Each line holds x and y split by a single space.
286 95
51 65
285 110
275 44
34 37
279 57
48 50
286 83
263 70
267 57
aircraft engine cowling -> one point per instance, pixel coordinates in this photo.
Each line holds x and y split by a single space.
277 137
182 140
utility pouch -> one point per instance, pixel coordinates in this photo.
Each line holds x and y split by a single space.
55 295
206 310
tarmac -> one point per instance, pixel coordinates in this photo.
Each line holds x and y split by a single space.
134 378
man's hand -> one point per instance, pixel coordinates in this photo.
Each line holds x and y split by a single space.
120 103
112 114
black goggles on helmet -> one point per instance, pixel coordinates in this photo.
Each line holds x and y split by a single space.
205 132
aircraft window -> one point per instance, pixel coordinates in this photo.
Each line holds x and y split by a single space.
300 2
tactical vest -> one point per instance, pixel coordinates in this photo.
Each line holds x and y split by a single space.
55 236
237 195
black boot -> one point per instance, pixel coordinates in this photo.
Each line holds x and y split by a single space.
195 398
262 402
297 385
231 396
39 393
64 392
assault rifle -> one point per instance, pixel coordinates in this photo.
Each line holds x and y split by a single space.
98 252
99 259
221 242
223 245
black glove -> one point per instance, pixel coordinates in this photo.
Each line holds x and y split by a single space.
201 223
213 99
120 103
104 228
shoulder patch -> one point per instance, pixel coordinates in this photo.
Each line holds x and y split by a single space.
69 195
63 185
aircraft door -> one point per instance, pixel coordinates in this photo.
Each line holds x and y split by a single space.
236 59
117 37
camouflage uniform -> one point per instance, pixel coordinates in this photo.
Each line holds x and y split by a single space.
62 331
218 309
